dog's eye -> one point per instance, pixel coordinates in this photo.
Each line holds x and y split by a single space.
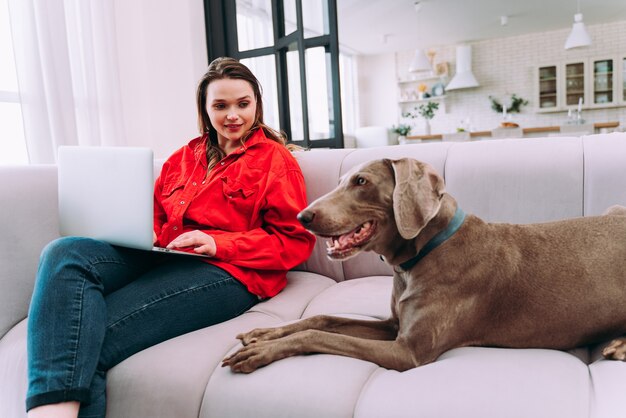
360 181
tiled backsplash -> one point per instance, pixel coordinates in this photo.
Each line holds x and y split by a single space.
507 65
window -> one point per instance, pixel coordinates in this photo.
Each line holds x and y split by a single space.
291 46
12 140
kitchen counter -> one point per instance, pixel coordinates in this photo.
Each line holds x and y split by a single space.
527 131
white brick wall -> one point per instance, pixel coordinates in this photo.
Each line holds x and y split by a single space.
502 67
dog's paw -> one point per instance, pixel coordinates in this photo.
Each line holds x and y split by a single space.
249 358
259 334
616 350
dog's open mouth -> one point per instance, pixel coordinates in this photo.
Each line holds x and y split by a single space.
346 245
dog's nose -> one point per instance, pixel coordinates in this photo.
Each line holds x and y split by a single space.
306 217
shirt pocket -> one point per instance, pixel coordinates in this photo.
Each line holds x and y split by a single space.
241 202
170 195
171 187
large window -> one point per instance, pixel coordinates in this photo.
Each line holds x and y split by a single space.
291 46
12 141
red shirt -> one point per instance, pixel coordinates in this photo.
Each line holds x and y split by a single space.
248 203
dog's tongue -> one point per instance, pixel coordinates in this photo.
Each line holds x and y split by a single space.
353 237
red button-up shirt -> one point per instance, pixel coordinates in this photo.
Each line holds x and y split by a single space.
248 203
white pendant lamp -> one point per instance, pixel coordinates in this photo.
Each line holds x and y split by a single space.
579 36
420 62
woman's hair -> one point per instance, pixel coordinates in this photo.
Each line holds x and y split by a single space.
229 68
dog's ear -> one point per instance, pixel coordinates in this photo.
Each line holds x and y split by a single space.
416 195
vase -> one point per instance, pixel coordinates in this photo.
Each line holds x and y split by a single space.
427 126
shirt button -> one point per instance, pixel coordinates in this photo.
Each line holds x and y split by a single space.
182 202
194 183
204 182
175 228
222 163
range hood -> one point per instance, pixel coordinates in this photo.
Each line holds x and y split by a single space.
464 78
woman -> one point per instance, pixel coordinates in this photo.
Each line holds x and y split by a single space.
232 193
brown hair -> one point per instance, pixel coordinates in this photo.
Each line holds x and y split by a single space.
221 68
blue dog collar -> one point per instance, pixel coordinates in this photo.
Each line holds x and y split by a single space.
442 236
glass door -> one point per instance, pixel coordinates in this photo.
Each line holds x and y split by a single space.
548 87
602 84
574 83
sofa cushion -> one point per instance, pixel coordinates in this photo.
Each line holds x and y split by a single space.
369 297
482 382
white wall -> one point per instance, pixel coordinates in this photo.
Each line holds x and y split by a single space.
162 55
502 67
377 90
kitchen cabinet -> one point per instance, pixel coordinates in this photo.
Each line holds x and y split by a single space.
603 87
575 84
599 81
548 88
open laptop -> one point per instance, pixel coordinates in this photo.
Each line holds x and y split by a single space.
106 193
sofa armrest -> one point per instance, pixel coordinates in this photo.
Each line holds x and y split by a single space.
28 198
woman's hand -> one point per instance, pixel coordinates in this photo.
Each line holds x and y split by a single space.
202 243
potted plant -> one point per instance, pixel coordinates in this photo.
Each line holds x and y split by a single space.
402 130
427 111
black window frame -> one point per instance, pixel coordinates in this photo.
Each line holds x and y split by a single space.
221 37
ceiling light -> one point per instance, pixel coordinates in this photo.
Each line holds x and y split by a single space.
420 62
579 36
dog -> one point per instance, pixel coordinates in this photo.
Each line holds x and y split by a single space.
458 280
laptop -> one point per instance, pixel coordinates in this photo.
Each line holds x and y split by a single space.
106 193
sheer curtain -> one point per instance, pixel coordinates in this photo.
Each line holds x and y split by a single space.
67 68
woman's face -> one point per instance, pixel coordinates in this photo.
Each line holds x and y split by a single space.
231 107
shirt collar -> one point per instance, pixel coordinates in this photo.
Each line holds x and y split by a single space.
197 144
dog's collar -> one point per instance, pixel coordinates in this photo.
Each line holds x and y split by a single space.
453 226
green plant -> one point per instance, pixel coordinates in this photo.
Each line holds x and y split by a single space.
516 104
401 129
427 110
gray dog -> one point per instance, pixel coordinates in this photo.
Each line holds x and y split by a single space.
458 281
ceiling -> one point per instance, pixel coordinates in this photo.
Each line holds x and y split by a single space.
383 26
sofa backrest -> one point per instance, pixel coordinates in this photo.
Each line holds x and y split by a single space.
510 180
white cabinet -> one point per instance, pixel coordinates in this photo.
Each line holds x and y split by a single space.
603 82
548 87
575 83
599 81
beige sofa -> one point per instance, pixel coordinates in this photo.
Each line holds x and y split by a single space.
512 180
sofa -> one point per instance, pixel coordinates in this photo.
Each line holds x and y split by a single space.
509 180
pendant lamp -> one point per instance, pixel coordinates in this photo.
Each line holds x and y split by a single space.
420 61
579 36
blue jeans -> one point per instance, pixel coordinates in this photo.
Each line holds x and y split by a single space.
95 304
